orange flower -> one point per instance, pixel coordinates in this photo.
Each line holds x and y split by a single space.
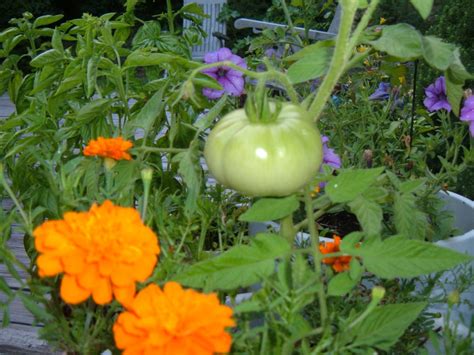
113 148
174 321
340 263
102 252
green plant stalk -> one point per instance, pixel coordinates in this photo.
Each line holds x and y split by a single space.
290 22
339 59
10 193
317 255
169 11
287 229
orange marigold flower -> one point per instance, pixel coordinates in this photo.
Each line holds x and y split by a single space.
102 252
174 321
340 263
113 148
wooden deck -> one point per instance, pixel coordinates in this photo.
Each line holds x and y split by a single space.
20 337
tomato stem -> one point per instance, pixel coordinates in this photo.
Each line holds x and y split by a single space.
287 229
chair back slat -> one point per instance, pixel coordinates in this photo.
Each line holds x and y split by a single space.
212 8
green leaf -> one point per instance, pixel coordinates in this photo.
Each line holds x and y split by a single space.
409 220
93 109
268 209
401 40
398 256
310 67
341 284
191 171
385 324
51 56
411 185
91 74
140 58
351 183
205 122
423 7
368 213
32 305
240 266
148 115
437 53
47 20
4 287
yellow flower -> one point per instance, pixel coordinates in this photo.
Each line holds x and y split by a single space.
382 20
174 321
362 48
102 252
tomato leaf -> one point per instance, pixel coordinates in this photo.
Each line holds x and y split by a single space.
368 213
351 183
341 284
310 67
385 324
398 256
402 41
269 209
409 220
238 267
423 7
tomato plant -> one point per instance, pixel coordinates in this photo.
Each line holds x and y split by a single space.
265 157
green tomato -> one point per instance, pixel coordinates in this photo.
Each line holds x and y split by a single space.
265 159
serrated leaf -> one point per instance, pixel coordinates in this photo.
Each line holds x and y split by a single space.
398 256
385 324
140 58
368 213
409 220
269 209
341 284
351 183
240 266
437 53
310 67
190 169
423 7
401 40
411 185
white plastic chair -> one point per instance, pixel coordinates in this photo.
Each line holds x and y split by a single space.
258 26
212 8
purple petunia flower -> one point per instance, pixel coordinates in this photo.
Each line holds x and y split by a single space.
231 80
436 98
382 92
329 156
467 113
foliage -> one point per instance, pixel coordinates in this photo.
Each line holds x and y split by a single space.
115 75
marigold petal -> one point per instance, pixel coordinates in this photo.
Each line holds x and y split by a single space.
74 262
123 275
89 278
71 292
49 265
102 292
124 295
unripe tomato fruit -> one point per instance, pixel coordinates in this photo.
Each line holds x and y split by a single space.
265 158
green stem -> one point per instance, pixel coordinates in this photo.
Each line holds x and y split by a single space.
169 10
161 150
287 229
10 193
290 22
339 59
317 255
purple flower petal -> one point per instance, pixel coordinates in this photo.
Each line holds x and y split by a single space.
467 112
212 93
234 85
436 98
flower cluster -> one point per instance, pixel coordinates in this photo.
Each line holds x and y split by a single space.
174 321
102 252
112 148
340 263
231 80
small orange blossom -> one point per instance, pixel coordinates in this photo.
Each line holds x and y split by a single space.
113 148
174 321
340 263
102 252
